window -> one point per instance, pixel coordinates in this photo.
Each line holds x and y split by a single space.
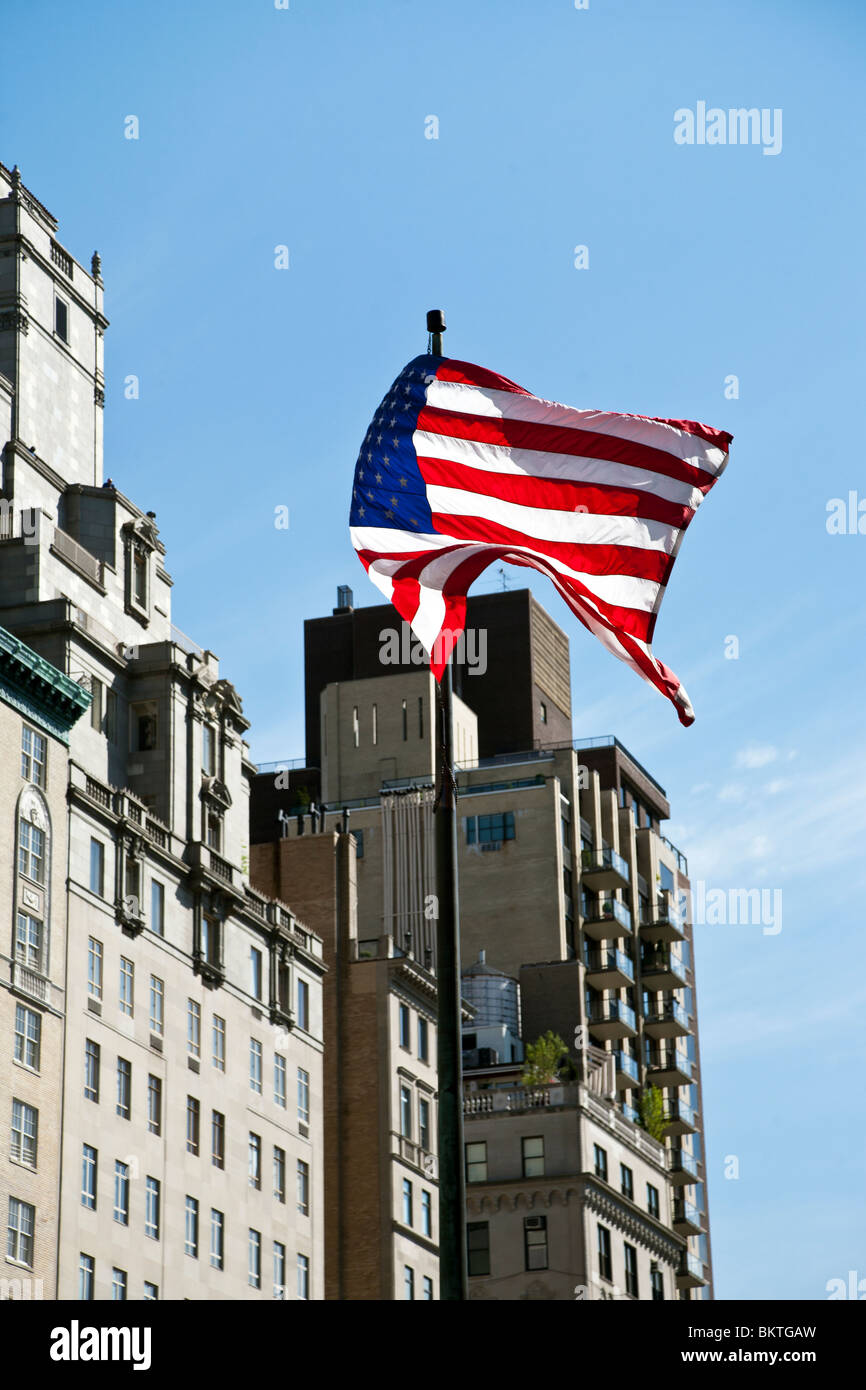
420 716
600 1162
218 1139
151 1208
91 1070
626 1181
279 1269
254 1277
89 1160
303 1019
427 1289
193 1122
279 1174
303 1096
657 1280
94 968
217 1238
151 1293
630 1269
61 319
405 721
404 1026
124 1088
209 943
157 1001
132 892
29 943
423 1040
157 907
208 750
279 1080
85 1278
28 1037
193 1028
256 972
356 728
31 851
375 725
542 712
25 1127
97 868
405 1112
426 1213
535 1242
476 1162
219 1042
303 1276
533 1157
489 830
190 1243
214 831
139 578
255 1066
407 1202
33 747
303 1187
478 1247
605 1264
121 1192
408 1271
127 986
359 843
118 1285
19 1232
424 1123
255 1160
652 1200
154 1105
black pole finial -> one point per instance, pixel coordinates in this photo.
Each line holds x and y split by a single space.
436 327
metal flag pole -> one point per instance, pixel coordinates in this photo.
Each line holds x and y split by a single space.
452 1185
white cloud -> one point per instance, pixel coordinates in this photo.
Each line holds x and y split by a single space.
756 755
732 791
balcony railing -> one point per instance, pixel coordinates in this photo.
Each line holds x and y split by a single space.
596 860
679 1113
76 555
612 907
681 1162
691 1266
626 1064
686 1212
221 867
670 1012
613 1011
663 962
670 1060
667 910
609 960
630 1113
28 981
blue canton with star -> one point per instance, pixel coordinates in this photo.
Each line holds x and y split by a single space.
388 489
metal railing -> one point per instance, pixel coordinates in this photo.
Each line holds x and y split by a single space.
593 860
76 555
609 960
613 1011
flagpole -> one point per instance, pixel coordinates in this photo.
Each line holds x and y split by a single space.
452 1185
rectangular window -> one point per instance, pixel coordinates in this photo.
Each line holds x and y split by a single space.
626 1181
25 1131
28 1037
193 1028
303 1187
657 1281
405 721
408 1283
151 1293
217 1238
605 1264
214 832
533 1157
535 1242
424 1123
139 581
404 1026
254 1277
478 1247
407 1202
356 728
279 1174
19 1232
420 716
193 1122
303 1096
89 1161
29 943
491 829
426 1213
630 1269
94 968
210 940
219 1042
255 1160
652 1200
303 1277
33 749
476 1162
279 1080
218 1139
91 1070
118 1285
423 1040
124 1088
303 1020
279 1269
121 1192
31 851
208 750
255 1066
427 1289
375 725
97 868
61 319
405 1112
157 1005
85 1278
600 1162
190 1243
157 907
256 972
127 986
154 1105
151 1208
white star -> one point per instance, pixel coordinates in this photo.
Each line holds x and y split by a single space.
378 477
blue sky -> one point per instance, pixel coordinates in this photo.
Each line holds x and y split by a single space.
306 128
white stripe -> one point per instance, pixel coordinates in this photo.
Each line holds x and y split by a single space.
575 528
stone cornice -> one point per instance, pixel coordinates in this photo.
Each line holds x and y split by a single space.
53 698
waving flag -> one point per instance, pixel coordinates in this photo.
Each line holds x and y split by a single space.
461 467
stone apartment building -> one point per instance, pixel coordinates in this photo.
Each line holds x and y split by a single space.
191 1131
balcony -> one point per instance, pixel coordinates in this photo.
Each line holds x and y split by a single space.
608 969
687 1218
630 1112
627 1071
683 1167
680 1118
666 922
668 1021
669 1068
690 1274
612 1019
661 969
604 869
29 982
610 919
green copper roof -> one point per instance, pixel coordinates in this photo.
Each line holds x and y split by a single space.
37 688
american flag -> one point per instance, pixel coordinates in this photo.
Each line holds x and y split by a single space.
461 467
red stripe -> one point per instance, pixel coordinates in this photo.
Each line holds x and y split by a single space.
587 559
469 375
558 439
555 494
720 438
